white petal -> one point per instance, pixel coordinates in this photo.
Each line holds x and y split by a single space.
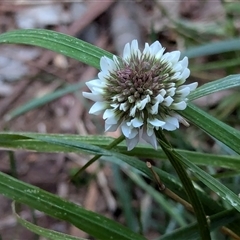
192 86
134 47
150 139
108 113
169 127
160 53
171 91
105 63
95 84
175 55
137 122
131 143
172 123
115 59
183 92
181 120
162 92
141 104
184 62
185 74
176 75
171 57
114 105
147 50
155 122
129 131
93 97
150 130
126 51
179 106
168 101
159 98
97 108
177 67
133 111
172 120
124 106
103 76
156 47
154 108
111 127
112 120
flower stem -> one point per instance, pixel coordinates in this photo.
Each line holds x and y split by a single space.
187 184
114 143
167 191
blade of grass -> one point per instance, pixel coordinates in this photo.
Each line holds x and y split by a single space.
210 205
125 198
188 186
57 42
31 141
158 197
47 233
225 193
190 232
213 48
216 86
214 127
38 102
94 224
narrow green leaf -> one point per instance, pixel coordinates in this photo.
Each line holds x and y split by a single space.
94 224
125 198
210 205
223 64
25 141
72 143
213 48
216 86
57 42
190 232
187 184
214 127
164 204
38 102
47 233
225 193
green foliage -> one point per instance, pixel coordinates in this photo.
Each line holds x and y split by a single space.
222 211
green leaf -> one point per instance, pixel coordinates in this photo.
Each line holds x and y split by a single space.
214 127
210 205
157 196
225 193
223 64
190 232
125 198
213 48
187 184
31 141
57 42
110 156
216 86
37 102
94 224
47 233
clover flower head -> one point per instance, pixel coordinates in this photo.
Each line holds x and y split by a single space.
141 92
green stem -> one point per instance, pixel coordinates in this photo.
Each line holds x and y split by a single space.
95 158
187 184
13 166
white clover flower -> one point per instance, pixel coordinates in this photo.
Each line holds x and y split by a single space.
141 91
